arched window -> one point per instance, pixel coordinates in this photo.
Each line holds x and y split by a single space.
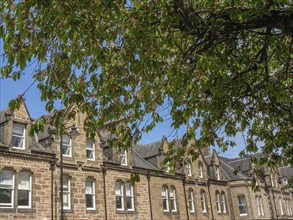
224 208
218 202
200 169
242 205
119 195
24 190
7 188
165 198
191 201
281 207
203 201
261 206
129 196
188 168
66 192
173 199
90 194
257 205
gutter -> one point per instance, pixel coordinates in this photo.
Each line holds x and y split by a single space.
150 198
105 199
212 211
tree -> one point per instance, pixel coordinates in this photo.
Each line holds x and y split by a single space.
222 67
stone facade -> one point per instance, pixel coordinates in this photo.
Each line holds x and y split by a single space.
97 179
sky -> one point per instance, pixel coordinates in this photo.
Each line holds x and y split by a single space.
10 89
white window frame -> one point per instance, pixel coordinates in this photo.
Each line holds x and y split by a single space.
191 201
188 168
217 173
22 126
92 192
29 189
69 146
218 202
272 180
165 198
91 150
257 205
200 169
123 158
281 206
67 193
242 205
290 208
172 196
120 195
129 196
261 206
224 208
11 204
203 201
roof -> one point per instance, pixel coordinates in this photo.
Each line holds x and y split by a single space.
286 171
229 171
139 161
148 150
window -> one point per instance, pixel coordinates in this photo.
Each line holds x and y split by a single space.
191 201
289 207
217 173
218 202
173 199
261 206
224 208
167 167
203 201
123 157
242 205
200 170
129 196
281 207
90 194
6 188
119 195
272 180
66 192
90 149
18 136
165 199
66 145
24 190
257 205
188 168
285 183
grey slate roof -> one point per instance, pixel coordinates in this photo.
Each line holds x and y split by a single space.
139 161
229 171
3 113
286 171
148 150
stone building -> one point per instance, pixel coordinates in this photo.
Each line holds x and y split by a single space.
96 182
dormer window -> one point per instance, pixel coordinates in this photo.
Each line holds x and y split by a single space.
66 146
90 149
188 168
18 136
200 170
217 173
123 157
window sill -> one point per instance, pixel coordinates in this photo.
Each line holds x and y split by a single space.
126 212
26 210
243 215
10 210
91 211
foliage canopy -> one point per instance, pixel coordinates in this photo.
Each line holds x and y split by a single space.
222 67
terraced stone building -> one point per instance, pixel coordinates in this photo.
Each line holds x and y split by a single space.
97 182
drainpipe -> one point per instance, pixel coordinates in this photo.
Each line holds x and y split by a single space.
149 189
212 210
105 200
187 213
52 168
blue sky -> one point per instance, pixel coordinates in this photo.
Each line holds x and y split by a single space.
10 89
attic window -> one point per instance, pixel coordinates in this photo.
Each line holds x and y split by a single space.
123 157
217 173
18 136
